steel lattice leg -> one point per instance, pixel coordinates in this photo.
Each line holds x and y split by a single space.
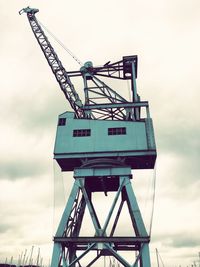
70 249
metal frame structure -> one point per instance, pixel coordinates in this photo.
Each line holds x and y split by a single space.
95 168
70 248
96 91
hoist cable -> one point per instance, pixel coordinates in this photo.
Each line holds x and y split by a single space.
61 44
153 201
54 203
147 205
58 195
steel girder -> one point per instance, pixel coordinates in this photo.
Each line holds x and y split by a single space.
70 249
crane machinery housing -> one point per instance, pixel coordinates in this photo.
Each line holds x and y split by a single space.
101 141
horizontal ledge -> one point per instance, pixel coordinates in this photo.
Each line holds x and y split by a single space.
105 252
116 105
112 171
117 240
116 153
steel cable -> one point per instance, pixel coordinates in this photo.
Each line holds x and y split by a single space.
61 44
153 201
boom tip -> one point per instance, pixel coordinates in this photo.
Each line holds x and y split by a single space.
28 10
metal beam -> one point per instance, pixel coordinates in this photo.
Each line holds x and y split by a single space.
103 239
134 211
112 208
117 256
68 209
91 209
116 105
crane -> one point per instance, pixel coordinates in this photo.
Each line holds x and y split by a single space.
54 62
101 101
101 141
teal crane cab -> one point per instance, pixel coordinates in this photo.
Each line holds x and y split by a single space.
81 140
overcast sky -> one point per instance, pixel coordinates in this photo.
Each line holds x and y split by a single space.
166 37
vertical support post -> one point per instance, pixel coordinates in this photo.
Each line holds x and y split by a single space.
145 257
67 210
87 99
57 252
133 82
134 210
134 90
58 256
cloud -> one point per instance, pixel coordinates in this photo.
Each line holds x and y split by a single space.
178 240
186 240
4 227
20 168
26 205
182 13
180 135
177 137
38 111
24 155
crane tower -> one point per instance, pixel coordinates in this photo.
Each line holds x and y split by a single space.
101 140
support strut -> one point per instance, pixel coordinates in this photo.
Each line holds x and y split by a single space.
71 249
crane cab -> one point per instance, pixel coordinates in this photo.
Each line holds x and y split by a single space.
79 140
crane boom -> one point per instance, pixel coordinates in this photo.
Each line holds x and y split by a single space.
54 62
101 101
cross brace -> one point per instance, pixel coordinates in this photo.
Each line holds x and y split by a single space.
71 249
